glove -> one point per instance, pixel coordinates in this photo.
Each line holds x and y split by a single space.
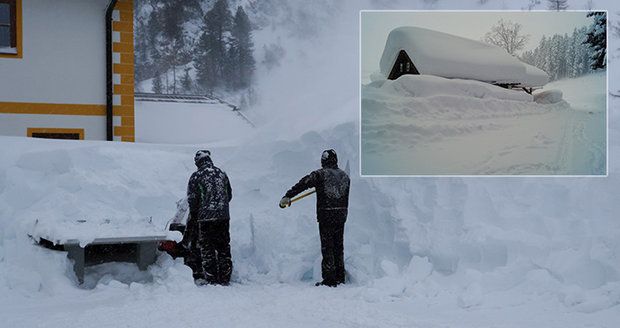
284 202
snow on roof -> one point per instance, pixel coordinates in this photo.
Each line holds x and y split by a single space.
450 56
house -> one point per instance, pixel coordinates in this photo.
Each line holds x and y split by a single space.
67 69
415 50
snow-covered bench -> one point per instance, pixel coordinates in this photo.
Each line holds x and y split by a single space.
141 250
92 242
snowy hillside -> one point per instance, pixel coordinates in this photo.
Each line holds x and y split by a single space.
430 125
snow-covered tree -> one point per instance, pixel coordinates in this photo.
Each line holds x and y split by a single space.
186 82
561 56
597 39
558 4
173 42
157 84
243 48
211 55
532 4
507 35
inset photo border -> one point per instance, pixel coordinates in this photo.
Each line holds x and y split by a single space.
483 93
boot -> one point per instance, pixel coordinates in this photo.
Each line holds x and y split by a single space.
326 283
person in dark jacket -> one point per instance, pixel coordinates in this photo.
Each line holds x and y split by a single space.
208 195
332 202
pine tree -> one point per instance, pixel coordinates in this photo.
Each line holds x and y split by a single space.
597 40
157 84
186 82
570 55
142 62
211 54
562 56
173 39
242 51
558 4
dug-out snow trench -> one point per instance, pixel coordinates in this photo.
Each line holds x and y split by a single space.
59 181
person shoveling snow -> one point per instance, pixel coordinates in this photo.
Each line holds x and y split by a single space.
208 195
332 200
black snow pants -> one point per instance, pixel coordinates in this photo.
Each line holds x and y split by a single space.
331 230
213 248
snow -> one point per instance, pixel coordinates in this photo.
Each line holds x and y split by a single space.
430 252
187 123
548 96
455 252
425 125
587 93
429 85
85 231
450 56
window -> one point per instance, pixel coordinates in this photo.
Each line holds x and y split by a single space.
8 24
56 133
10 28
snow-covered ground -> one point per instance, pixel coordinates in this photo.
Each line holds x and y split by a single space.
431 252
419 125
420 253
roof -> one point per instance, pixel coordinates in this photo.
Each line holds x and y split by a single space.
451 56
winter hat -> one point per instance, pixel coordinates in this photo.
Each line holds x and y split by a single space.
329 158
201 156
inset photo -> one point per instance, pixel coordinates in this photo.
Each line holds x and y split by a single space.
483 93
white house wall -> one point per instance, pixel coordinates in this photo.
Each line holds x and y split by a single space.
63 54
17 125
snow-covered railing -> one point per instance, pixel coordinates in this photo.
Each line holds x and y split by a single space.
158 97
196 99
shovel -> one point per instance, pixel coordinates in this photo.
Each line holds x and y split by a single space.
347 169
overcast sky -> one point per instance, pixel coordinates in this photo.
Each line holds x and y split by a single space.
375 26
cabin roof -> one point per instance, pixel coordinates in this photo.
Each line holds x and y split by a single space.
451 56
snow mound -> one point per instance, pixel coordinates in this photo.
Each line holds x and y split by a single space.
419 124
548 96
586 93
429 85
446 55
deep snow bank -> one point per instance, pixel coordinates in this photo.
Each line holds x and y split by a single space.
420 124
429 85
467 241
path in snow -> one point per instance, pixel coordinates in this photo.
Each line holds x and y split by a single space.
469 130
280 305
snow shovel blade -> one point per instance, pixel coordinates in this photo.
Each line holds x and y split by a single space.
347 169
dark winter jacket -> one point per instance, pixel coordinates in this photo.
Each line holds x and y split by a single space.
331 185
209 192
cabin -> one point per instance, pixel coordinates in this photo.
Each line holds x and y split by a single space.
415 50
67 69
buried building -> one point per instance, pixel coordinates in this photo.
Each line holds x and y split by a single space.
415 50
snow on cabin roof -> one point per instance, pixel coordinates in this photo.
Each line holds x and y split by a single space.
451 56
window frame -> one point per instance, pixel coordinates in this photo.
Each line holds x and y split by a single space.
15 23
